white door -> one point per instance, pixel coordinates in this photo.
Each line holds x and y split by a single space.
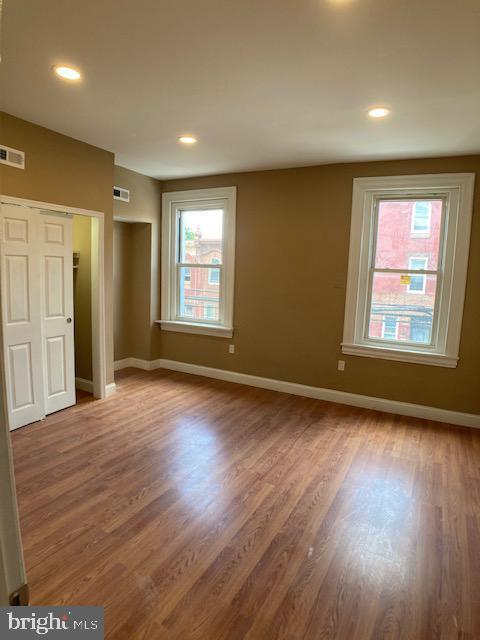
56 275
21 314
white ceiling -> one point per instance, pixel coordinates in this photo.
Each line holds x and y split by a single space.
262 83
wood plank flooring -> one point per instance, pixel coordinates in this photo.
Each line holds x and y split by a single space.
196 509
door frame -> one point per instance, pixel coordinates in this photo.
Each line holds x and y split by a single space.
99 365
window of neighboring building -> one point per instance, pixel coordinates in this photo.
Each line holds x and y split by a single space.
417 281
214 274
209 312
390 328
197 224
389 267
421 215
420 330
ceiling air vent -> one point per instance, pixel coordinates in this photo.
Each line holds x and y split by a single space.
12 157
121 194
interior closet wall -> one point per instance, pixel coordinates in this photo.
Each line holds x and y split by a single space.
122 259
131 287
82 296
140 277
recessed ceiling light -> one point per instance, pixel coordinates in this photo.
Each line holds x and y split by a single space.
378 112
67 73
187 139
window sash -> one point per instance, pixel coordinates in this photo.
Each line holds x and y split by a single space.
196 206
367 311
418 346
171 298
221 302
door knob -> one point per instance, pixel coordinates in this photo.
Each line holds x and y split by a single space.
69 320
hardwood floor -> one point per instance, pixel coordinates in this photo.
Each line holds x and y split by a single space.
198 509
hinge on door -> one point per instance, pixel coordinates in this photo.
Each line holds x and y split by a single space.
20 597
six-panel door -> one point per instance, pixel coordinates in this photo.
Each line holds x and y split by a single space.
21 315
37 311
56 272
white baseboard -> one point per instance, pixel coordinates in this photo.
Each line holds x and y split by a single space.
110 388
331 395
137 363
84 385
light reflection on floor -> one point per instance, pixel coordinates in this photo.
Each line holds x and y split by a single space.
197 448
379 521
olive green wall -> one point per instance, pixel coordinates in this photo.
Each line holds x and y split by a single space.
122 282
82 296
291 268
131 278
61 170
142 339
290 278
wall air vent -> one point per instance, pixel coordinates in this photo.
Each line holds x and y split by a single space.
12 157
121 194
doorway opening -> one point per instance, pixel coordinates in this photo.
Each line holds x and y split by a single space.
132 273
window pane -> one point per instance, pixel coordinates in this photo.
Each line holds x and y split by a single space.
399 313
198 297
408 229
201 234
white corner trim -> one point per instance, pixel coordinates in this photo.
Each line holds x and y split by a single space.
110 388
330 395
196 327
84 385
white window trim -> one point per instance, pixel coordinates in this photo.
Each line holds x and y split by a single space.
457 188
424 287
422 232
171 201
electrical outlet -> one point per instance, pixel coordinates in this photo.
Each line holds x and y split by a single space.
341 365
231 348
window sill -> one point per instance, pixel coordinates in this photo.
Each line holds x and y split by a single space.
196 327
400 355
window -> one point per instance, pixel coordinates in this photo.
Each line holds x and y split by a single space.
214 274
420 329
198 244
390 328
417 282
421 214
209 312
405 289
